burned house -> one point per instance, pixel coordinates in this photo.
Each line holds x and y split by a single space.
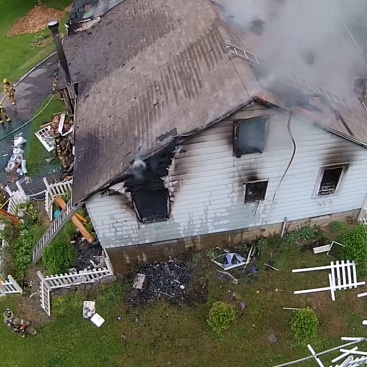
181 145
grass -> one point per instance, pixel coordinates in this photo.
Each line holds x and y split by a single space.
164 335
18 54
36 153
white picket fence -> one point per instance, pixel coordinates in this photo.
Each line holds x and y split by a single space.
10 287
343 275
52 282
54 190
17 198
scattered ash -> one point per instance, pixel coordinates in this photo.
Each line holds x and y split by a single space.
168 280
85 253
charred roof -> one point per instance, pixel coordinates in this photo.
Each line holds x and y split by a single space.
152 71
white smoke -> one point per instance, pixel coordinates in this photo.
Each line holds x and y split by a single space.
306 37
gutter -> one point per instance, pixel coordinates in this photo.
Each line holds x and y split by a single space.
253 99
323 127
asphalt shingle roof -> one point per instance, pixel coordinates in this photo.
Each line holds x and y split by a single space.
149 71
152 70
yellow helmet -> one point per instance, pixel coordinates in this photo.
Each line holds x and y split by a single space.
5 80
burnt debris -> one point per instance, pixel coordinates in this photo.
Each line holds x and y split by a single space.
167 280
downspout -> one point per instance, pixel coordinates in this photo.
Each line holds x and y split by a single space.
54 28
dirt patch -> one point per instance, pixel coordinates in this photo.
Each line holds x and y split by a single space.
36 20
197 292
28 306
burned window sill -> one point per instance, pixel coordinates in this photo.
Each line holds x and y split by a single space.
155 220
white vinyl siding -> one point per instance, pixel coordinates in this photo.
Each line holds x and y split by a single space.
208 184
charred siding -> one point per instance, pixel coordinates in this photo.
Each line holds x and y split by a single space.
210 178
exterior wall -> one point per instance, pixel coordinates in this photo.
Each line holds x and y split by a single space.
206 183
125 257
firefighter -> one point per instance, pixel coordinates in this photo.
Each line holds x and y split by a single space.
9 90
63 150
3 113
54 82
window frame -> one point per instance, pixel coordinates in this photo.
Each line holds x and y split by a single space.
236 124
344 166
140 219
253 182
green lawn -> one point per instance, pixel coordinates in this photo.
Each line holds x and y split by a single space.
35 151
18 54
154 336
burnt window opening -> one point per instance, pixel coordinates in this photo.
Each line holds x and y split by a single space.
330 180
250 136
151 205
255 191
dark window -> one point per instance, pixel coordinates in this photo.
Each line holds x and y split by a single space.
330 180
151 205
255 191
250 136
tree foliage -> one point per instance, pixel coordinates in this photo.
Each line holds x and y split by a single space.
355 246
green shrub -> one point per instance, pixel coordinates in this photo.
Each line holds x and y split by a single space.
355 246
337 227
197 258
304 324
59 256
264 243
17 256
304 234
213 252
221 315
70 230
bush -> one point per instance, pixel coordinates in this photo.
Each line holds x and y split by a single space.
59 256
304 324
355 246
337 227
264 243
304 234
197 258
221 315
17 256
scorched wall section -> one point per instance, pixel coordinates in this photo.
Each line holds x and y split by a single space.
207 183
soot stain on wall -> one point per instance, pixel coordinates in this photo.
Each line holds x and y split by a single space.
338 155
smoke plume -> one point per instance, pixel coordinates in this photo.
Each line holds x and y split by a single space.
306 37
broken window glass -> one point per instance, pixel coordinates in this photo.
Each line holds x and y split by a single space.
250 136
330 180
255 191
151 205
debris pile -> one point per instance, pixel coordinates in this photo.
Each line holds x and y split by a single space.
62 124
88 256
162 279
17 165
